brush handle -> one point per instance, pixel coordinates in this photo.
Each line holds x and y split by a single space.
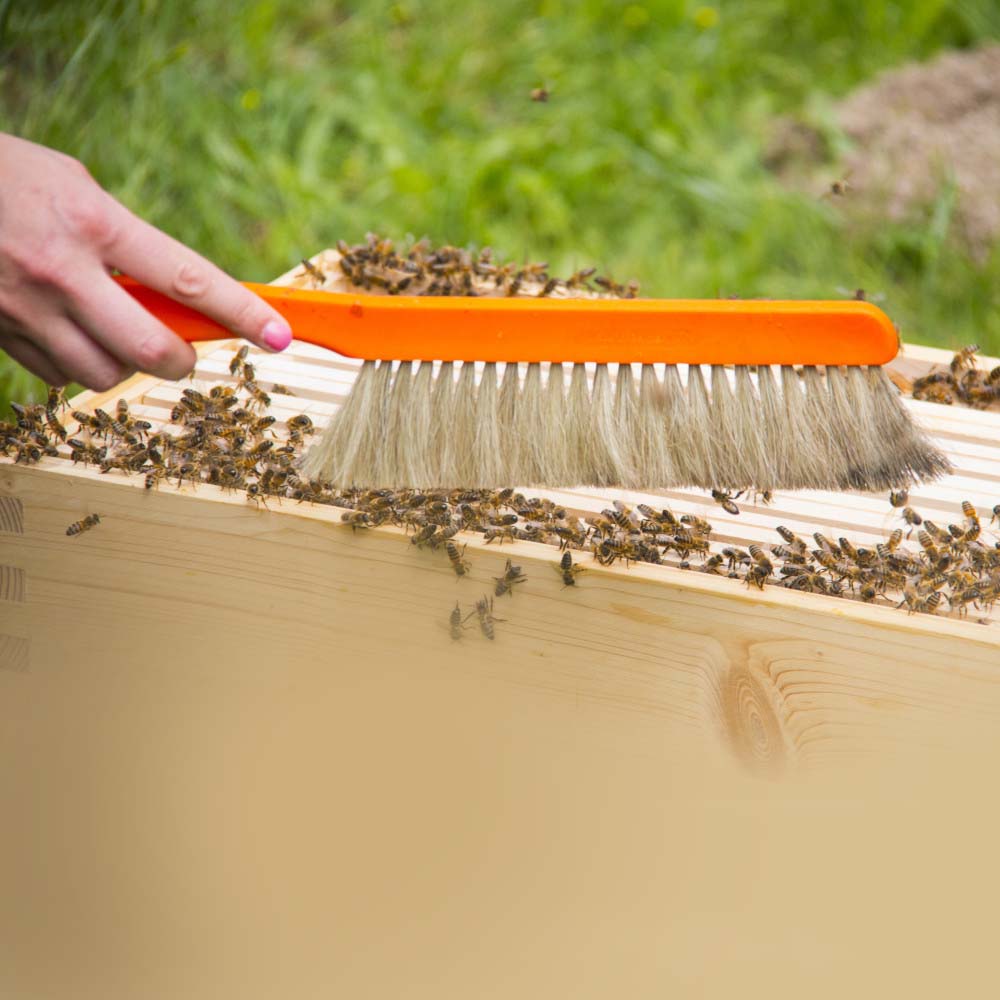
675 331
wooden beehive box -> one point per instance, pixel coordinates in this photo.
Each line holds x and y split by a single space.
242 739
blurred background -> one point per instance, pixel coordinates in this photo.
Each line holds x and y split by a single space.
750 147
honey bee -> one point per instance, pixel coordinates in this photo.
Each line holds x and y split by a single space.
697 525
238 359
81 451
567 570
86 421
912 518
301 423
899 498
713 564
55 399
581 278
280 389
838 188
455 622
539 95
760 569
915 600
153 477
549 287
965 358
996 514
735 557
261 424
313 271
458 564
484 611
505 584
356 519
78 527
568 535
725 500
499 534
501 520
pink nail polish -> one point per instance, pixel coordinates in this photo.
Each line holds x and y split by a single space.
277 334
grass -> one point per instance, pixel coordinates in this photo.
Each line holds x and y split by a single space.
260 136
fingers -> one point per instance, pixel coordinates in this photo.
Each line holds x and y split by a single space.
126 331
80 357
31 357
159 261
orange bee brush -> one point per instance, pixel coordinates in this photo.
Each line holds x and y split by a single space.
489 390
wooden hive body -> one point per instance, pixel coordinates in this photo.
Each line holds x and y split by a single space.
282 694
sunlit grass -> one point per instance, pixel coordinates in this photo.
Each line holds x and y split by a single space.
258 133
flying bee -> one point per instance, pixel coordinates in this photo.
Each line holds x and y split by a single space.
458 564
539 95
838 188
78 527
238 359
912 518
280 389
899 498
567 570
455 622
725 500
55 398
512 575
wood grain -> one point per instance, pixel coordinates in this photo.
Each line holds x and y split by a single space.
249 760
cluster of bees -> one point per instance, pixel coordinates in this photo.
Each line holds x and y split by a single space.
222 437
36 429
963 381
376 265
225 437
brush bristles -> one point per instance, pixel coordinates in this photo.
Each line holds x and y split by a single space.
844 428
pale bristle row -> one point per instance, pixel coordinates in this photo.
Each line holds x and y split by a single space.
408 425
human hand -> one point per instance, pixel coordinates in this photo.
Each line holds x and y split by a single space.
62 316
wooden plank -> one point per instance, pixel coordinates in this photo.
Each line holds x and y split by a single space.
247 733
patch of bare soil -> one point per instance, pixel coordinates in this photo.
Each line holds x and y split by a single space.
913 131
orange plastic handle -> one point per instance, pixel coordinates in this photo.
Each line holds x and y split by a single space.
676 331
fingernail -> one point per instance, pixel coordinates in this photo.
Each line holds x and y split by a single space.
277 334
